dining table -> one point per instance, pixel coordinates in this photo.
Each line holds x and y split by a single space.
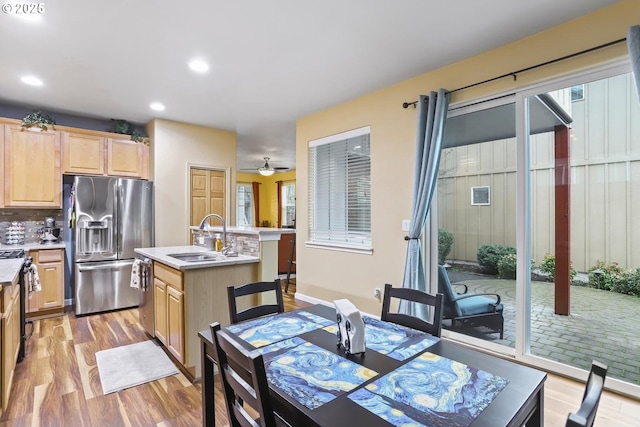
404 377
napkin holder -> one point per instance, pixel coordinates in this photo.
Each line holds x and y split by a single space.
350 327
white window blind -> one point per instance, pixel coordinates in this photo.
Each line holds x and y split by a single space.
340 190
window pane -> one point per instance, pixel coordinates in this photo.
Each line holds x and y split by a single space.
592 270
340 191
288 198
244 213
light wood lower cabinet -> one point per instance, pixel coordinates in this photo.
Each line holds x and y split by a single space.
50 266
9 339
169 309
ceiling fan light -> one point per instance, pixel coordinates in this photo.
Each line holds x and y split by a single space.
265 171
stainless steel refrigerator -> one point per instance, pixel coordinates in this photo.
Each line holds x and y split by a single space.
112 217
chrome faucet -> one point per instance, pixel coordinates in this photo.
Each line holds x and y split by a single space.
226 250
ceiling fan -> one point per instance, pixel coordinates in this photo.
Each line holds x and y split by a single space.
266 169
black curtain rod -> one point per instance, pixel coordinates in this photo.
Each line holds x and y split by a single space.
515 73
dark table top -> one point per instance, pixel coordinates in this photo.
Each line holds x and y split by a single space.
512 406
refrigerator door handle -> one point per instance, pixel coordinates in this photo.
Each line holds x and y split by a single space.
118 209
102 265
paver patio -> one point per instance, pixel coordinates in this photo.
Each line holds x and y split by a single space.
603 325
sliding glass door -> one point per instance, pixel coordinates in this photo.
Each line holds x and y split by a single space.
585 238
538 199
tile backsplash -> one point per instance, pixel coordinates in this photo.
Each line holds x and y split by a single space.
13 221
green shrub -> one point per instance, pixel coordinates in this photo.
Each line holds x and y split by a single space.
548 266
612 278
445 241
489 255
507 266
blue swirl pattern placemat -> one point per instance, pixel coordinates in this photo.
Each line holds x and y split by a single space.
311 375
430 391
395 341
269 329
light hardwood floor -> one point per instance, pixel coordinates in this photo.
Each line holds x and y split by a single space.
58 383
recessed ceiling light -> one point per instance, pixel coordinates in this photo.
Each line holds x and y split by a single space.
199 66
157 106
31 80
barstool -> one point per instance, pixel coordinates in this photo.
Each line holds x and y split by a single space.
292 261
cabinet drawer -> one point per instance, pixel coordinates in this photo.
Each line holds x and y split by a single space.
168 275
49 255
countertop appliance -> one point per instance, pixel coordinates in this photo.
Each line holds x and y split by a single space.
113 216
23 281
49 234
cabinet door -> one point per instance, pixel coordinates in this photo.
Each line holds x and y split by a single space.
82 154
175 323
50 265
32 168
10 339
160 309
127 158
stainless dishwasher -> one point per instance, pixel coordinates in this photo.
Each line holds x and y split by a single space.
146 314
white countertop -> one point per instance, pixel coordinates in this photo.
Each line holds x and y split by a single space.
263 233
33 246
9 269
161 254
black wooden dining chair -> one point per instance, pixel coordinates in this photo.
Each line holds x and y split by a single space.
435 301
473 309
244 381
254 289
586 415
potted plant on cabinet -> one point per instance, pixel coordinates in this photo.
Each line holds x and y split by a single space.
39 120
125 128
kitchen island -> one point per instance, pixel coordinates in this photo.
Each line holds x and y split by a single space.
190 295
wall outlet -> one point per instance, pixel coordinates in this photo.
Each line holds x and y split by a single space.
406 223
377 293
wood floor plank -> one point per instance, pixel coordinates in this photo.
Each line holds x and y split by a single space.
135 407
47 406
74 409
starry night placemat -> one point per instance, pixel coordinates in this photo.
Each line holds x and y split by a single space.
270 329
311 375
430 391
395 341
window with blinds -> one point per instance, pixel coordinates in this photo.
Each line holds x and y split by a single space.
340 190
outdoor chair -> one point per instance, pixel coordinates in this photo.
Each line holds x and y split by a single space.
255 311
414 295
470 309
244 381
585 416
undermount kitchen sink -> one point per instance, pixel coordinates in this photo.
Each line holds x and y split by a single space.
194 257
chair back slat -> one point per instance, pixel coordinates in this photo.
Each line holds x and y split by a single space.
244 381
434 301
256 311
586 414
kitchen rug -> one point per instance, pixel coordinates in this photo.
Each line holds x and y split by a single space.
132 365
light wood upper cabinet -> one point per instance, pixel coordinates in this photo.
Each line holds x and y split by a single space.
32 168
127 158
83 154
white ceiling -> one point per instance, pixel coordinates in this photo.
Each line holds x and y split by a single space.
272 61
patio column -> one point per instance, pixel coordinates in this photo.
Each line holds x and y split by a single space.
562 219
